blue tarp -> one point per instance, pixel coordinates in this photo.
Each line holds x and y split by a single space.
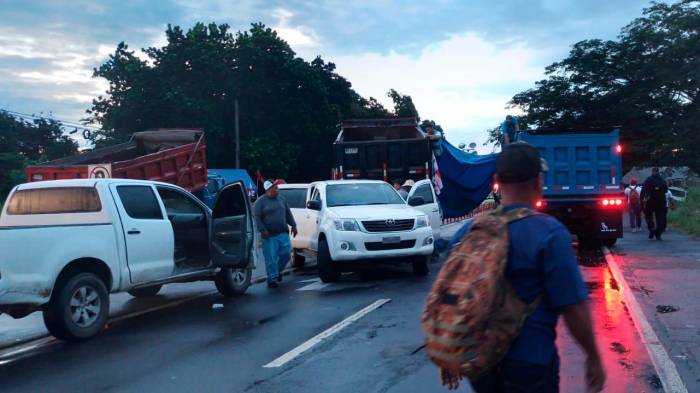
463 180
231 175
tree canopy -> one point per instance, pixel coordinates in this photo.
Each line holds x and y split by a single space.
23 142
289 108
647 81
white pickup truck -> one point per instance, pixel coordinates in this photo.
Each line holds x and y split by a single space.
350 221
67 244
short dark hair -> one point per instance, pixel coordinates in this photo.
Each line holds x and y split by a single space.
397 181
518 162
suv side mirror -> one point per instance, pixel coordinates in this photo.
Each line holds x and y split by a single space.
416 201
314 204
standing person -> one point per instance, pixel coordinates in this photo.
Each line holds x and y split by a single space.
273 219
435 137
654 198
633 193
407 185
397 186
509 130
542 270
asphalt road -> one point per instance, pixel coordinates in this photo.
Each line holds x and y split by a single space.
213 344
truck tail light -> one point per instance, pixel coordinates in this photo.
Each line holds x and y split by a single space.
540 204
618 148
611 202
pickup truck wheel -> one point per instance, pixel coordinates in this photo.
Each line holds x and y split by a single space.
327 270
233 282
78 309
146 291
420 266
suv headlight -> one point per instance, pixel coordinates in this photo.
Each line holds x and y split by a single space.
345 224
422 221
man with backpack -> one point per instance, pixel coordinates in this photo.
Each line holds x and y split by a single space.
654 199
634 205
492 313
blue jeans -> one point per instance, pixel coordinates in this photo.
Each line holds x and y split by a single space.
635 216
276 250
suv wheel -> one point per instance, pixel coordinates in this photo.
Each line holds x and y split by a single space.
146 291
420 266
78 308
298 260
327 270
233 282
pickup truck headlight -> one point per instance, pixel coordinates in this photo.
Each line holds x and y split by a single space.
422 221
345 224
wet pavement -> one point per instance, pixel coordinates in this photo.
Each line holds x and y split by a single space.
664 277
213 344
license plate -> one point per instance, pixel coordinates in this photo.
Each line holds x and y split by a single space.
391 240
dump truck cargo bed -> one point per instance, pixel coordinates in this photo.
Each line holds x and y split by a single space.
176 156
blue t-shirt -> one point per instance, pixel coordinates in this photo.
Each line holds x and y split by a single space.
508 128
540 261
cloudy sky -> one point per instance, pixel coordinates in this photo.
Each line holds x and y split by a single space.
460 60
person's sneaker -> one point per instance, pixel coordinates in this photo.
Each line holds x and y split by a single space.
651 235
272 284
658 236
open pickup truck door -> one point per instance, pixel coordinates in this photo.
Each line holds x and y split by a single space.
231 239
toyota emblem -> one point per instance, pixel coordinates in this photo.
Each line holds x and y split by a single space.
390 222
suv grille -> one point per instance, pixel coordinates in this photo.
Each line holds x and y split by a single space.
379 246
389 225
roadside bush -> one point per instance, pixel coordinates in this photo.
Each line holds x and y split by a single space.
686 215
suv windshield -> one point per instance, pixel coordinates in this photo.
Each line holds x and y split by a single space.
295 197
356 194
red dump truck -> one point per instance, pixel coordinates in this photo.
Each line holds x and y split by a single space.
174 156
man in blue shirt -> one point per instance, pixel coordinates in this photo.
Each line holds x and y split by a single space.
509 130
541 261
435 137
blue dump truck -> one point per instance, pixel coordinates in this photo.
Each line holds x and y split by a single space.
583 186
218 178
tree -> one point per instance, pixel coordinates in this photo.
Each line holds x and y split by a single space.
403 104
23 143
289 108
646 81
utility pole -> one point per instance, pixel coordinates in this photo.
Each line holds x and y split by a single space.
238 135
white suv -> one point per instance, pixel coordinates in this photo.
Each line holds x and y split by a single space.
353 220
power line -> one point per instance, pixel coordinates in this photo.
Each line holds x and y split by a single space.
62 122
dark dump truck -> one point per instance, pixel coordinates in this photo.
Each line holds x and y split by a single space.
381 149
582 186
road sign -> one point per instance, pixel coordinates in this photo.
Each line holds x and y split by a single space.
100 171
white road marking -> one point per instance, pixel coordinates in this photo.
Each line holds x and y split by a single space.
291 355
314 286
311 280
668 374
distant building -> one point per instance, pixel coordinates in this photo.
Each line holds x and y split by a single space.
675 176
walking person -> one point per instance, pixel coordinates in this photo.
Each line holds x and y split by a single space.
654 199
273 219
541 280
633 193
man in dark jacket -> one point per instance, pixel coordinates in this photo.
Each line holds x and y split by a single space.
654 198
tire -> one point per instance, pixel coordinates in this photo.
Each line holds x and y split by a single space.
145 291
327 270
233 282
420 266
298 260
608 242
78 308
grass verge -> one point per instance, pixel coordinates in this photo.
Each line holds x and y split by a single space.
686 215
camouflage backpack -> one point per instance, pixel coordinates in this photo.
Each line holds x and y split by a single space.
472 313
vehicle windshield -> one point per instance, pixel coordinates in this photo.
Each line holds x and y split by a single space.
295 197
357 194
